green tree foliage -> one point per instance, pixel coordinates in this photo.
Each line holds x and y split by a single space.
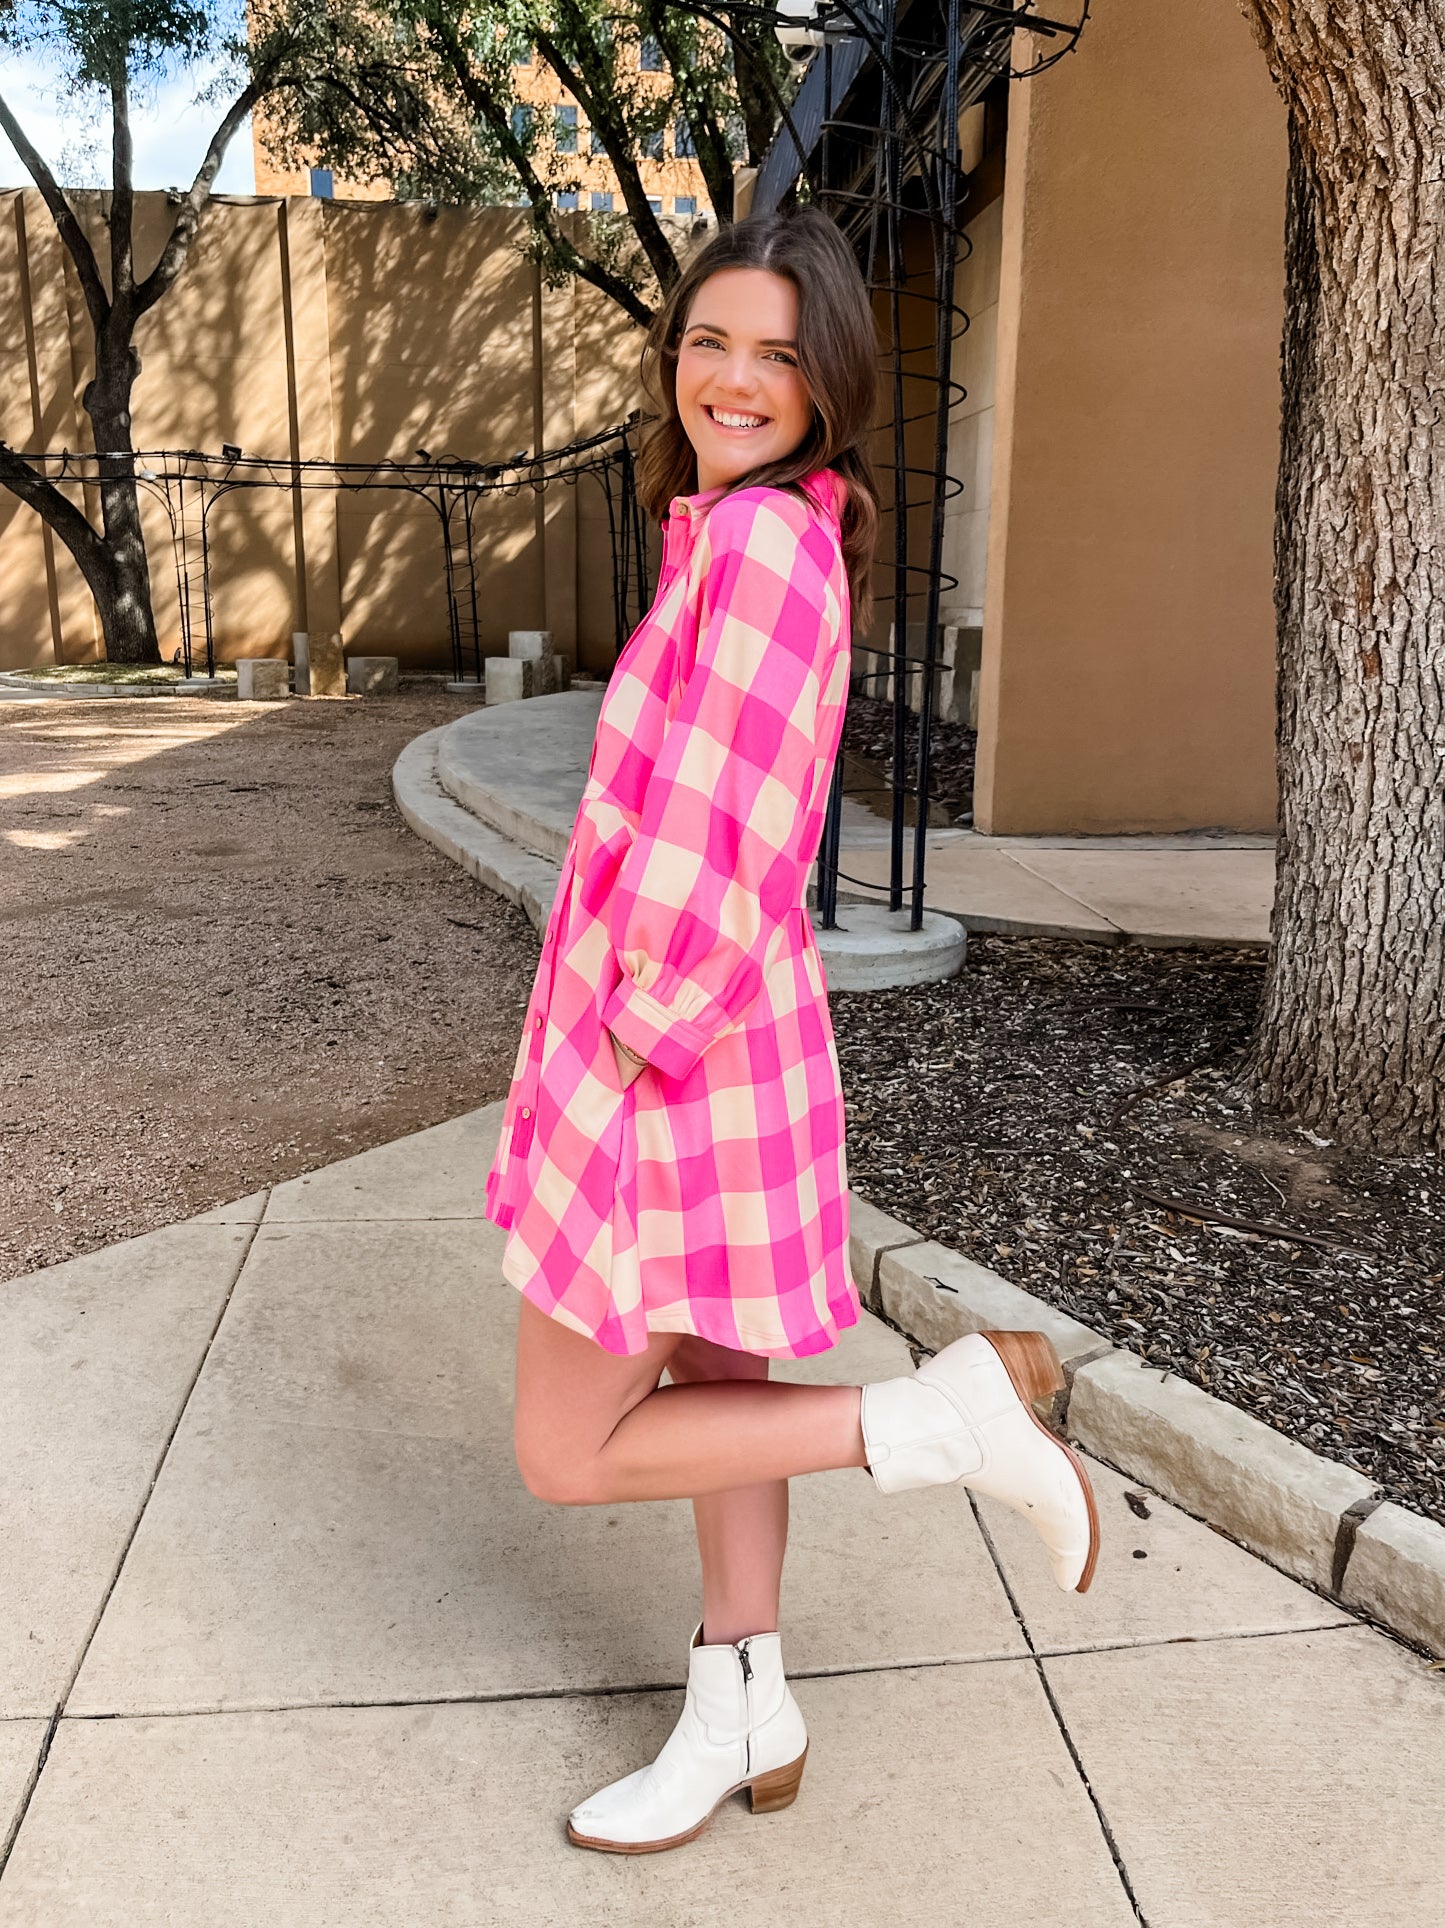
423 94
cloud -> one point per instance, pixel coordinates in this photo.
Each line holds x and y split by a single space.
170 131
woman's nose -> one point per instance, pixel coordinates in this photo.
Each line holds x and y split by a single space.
737 375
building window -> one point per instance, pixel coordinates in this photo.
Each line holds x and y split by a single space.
565 130
684 144
522 123
685 204
568 202
594 142
323 186
654 201
652 145
601 203
524 58
649 57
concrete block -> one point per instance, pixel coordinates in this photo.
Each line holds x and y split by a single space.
263 679
1273 1495
327 665
561 670
529 645
1397 1573
301 657
938 1295
870 1234
372 675
510 678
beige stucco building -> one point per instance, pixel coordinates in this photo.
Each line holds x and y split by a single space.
1117 443
1119 440
311 329
670 174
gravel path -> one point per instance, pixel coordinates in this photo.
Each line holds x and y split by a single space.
227 959
1042 1113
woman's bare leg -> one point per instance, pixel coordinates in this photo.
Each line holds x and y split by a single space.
594 1427
742 1534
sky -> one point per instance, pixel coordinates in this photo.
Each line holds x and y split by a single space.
169 129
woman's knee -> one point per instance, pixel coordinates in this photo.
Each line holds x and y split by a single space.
569 1398
557 1478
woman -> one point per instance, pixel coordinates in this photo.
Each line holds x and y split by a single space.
671 1168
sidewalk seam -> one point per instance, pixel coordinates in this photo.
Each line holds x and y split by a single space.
1115 1853
517 1696
23 1807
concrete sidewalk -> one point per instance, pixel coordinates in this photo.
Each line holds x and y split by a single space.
284 1639
520 769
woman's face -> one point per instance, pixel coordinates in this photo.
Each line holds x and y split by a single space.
741 396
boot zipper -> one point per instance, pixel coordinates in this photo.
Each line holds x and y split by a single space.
747 1667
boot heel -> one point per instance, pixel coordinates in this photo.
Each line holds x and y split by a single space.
779 1788
1031 1362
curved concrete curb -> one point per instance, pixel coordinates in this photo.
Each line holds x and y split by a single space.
524 879
1319 1521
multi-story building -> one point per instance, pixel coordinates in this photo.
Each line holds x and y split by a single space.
671 176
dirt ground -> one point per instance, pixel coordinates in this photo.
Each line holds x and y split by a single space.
227 960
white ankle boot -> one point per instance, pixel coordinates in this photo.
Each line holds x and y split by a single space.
967 1414
739 1727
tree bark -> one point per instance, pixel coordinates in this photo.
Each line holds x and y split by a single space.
1351 1036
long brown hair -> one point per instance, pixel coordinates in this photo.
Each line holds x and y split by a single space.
837 353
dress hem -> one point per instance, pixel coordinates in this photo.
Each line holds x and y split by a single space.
843 1314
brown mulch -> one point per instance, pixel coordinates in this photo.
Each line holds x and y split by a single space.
227 959
867 746
1059 1109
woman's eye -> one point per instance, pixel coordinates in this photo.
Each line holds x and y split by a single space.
786 359
706 341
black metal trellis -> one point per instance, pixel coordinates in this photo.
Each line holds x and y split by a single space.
872 136
190 482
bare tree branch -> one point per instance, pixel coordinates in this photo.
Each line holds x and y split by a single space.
71 232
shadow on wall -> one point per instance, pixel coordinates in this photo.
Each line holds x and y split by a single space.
323 330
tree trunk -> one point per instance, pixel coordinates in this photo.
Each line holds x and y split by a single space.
1351 1037
122 586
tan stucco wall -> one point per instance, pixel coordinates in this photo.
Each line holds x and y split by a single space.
1128 671
309 328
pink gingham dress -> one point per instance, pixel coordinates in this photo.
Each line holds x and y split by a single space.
710 1195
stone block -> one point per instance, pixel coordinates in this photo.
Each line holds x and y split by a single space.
1270 1493
530 645
1397 1573
561 670
301 657
510 678
938 1295
263 679
327 665
372 675
870 1234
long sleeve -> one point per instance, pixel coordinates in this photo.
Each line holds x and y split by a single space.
716 865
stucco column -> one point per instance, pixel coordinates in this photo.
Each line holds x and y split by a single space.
312 419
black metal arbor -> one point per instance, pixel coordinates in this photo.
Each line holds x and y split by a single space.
190 482
872 136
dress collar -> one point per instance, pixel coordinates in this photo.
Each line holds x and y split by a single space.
825 486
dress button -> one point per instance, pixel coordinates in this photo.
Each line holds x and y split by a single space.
525 1112
539 1024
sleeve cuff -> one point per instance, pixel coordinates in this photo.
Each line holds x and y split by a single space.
671 1045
